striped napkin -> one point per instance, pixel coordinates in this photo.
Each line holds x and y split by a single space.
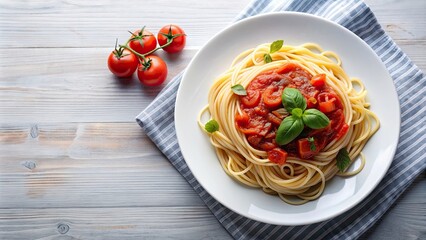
158 122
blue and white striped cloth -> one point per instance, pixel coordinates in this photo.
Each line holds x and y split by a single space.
158 122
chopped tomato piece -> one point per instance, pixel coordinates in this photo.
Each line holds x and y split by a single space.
280 113
274 119
256 126
327 102
242 119
252 98
272 96
265 129
249 131
327 107
261 110
318 81
270 135
288 67
267 146
278 156
343 130
305 149
254 140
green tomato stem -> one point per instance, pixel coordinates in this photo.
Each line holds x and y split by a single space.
126 46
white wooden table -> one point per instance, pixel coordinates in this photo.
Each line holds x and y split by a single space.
73 162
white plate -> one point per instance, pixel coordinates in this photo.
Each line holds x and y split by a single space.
358 59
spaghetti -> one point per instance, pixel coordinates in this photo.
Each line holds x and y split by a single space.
250 144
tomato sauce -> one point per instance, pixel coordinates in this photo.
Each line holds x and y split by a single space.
262 112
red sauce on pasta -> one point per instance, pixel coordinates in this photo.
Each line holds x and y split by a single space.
262 112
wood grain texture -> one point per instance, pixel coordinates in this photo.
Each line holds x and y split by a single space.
93 165
402 20
79 23
74 164
111 223
59 85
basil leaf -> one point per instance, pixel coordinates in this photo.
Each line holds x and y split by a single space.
239 90
267 57
292 98
343 160
212 126
276 45
315 119
288 130
297 112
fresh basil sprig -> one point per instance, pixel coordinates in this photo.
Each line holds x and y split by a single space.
275 46
343 160
289 129
293 125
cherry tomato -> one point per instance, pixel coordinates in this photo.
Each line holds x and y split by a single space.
153 71
172 33
272 96
252 98
122 63
142 41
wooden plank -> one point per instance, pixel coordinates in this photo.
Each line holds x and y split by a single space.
111 223
59 85
402 20
86 165
77 23
415 50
